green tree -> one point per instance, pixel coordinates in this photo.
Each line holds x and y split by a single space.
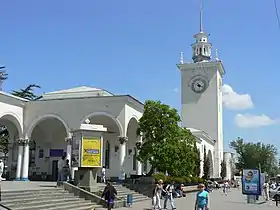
253 155
206 165
4 140
165 145
223 169
27 93
197 161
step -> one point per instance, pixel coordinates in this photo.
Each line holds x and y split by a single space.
68 205
42 202
56 189
31 193
34 195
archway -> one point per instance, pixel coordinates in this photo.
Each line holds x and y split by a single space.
110 157
130 159
47 146
11 130
210 157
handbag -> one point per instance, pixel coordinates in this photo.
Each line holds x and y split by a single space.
154 200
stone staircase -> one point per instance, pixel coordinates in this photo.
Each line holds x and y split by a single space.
45 199
124 191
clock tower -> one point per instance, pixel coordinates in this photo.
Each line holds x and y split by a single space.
201 93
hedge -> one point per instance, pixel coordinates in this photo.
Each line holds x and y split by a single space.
177 180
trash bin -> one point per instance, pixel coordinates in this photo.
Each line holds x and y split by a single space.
129 200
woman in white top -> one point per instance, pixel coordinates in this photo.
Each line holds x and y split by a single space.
157 194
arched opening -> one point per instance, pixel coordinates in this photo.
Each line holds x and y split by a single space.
130 161
211 169
10 131
110 157
47 146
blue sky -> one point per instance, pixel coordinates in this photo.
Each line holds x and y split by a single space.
132 47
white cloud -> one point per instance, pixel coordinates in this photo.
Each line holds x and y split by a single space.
253 121
235 101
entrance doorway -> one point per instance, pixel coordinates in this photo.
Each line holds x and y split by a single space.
54 175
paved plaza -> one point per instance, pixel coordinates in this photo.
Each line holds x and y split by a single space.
218 201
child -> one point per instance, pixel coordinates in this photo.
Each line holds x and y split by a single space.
202 198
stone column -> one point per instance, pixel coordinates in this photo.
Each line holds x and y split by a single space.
68 141
122 149
138 163
25 164
19 159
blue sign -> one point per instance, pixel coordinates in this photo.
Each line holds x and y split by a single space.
251 182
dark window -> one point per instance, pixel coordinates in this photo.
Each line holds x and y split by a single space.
200 51
134 159
107 155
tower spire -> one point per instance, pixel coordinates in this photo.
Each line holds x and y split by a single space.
202 46
200 16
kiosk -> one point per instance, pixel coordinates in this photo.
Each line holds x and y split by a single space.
86 155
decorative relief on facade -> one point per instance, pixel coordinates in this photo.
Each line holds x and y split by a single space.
123 139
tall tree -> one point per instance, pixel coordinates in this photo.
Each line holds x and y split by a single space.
223 169
3 76
253 155
197 161
165 145
27 93
206 165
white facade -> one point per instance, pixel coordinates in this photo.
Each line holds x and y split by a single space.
41 129
201 95
230 164
204 142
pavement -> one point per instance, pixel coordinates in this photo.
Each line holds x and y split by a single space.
22 185
218 201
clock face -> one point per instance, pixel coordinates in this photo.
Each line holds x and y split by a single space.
199 84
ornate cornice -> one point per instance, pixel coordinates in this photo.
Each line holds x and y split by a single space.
123 139
68 139
22 141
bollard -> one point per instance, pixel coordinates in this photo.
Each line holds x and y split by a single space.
129 200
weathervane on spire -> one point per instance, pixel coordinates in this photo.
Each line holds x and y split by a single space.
200 16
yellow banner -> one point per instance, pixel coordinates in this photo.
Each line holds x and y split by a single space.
91 152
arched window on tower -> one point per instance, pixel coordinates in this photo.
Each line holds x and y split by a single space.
200 51
107 155
134 160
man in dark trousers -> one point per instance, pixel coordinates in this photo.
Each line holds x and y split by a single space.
109 193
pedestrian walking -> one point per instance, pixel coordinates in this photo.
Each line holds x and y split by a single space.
109 194
202 198
103 174
157 194
266 190
170 190
225 187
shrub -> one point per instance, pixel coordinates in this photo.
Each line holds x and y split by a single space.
194 179
187 180
179 180
200 180
169 179
159 176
